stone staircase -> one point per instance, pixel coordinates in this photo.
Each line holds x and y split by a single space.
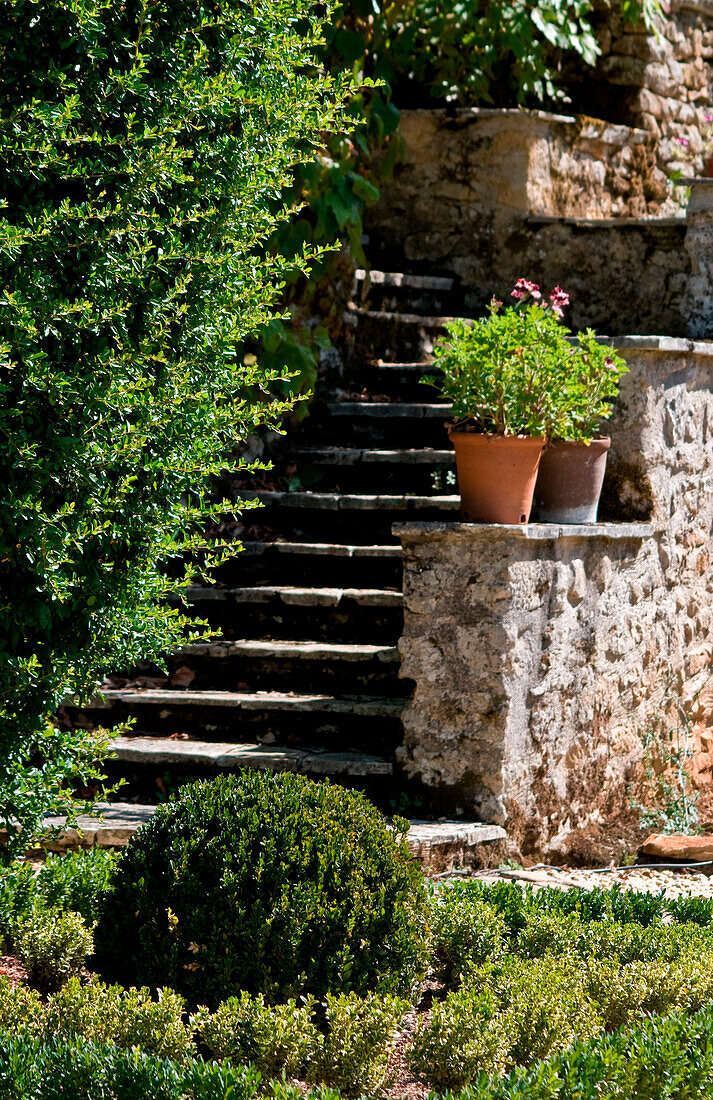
305 676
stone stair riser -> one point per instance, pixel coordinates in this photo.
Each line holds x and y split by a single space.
392 337
370 733
380 428
348 621
407 294
305 569
365 525
280 673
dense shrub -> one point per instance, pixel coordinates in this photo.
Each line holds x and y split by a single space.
464 934
127 1017
275 1038
266 883
144 152
510 1014
663 1058
75 881
21 1009
52 946
354 1054
54 1069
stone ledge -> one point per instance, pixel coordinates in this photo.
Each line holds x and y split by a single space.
529 532
616 222
437 845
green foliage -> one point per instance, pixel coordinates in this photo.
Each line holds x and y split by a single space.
144 152
34 1070
464 1038
52 946
21 1009
274 1038
464 933
354 1054
127 1017
266 883
510 1014
507 52
74 882
666 1058
68 883
516 372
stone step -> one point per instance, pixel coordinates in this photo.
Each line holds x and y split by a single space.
356 516
379 425
250 665
343 565
214 755
356 469
392 291
303 614
281 718
397 381
437 845
390 335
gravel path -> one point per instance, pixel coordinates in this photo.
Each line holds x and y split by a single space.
673 884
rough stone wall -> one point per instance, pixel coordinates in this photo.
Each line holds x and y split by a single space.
494 195
662 82
541 654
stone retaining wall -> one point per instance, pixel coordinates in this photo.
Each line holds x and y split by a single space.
490 196
541 654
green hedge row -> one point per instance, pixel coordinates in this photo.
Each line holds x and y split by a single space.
55 1070
663 1058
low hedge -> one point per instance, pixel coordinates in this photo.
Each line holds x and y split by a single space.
662 1058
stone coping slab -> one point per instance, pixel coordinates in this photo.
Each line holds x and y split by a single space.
437 845
530 532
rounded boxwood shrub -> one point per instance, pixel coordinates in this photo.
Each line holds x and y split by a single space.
267 883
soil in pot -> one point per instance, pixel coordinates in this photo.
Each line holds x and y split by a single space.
569 482
496 475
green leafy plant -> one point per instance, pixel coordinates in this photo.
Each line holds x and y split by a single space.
21 1009
275 1038
353 1056
516 371
671 799
52 946
127 1017
144 151
266 883
464 933
464 1038
74 881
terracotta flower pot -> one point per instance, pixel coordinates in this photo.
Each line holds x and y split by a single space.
496 475
569 482
708 167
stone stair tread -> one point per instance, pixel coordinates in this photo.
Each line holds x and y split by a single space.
352 502
159 750
419 319
400 409
353 456
432 843
306 597
322 651
324 549
367 706
400 278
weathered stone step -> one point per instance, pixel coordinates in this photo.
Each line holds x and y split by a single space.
393 291
359 516
284 718
213 756
359 470
289 666
342 565
362 456
304 614
391 336
437 845
380 425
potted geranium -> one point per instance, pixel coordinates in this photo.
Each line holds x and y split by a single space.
518 382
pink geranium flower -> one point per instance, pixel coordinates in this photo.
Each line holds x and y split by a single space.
523 288
559 298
